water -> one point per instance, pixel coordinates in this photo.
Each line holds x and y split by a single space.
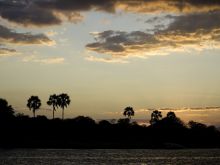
109 156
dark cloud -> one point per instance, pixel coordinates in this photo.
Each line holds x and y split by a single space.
76 5
191 23
27 13
9 36
199 30
195 24
53 12
140 5
30 16
202 2
186 32
120 43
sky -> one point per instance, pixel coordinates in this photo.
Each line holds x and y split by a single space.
110 54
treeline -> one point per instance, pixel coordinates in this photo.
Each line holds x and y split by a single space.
18 130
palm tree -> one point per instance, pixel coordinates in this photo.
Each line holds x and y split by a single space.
155 117
53 100
63 102
171 115
128 111
34 104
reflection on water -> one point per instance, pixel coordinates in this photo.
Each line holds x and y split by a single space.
109 156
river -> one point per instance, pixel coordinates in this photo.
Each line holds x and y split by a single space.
109 156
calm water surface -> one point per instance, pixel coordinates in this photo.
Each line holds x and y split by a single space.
109 156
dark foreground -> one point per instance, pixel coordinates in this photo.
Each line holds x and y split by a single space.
108 156
84 132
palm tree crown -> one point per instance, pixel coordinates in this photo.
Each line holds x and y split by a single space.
34 103
53 100
171 115
128 111
155 117
63 102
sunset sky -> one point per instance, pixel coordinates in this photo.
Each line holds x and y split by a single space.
109 54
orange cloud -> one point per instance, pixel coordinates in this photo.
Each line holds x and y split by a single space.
167 6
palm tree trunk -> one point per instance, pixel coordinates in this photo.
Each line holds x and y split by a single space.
53 112
34 113
62 113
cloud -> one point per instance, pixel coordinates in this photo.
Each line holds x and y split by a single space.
52 60
105 60
5 52
168 6
28 13
193 22
73 17
55 60
11 37
30 16
78 6
198 31
123 44
46 13
139 6
191 109
54 12
182 34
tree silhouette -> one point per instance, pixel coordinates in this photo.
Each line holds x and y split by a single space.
171 121
104 123
128 111
155 117
63 102
34 104
196 125
6 111
53 100
124 122
171 115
